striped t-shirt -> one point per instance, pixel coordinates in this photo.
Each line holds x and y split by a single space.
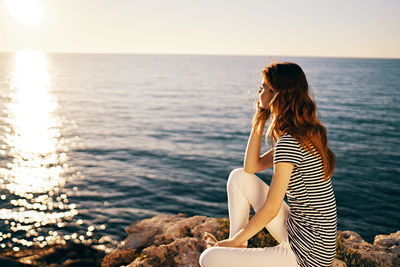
312 221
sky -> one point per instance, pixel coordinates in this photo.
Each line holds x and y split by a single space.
317 28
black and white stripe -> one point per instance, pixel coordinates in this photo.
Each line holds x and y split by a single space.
312 222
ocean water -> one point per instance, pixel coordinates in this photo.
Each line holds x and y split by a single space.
90 143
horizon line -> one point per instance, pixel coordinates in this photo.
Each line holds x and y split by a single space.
197 54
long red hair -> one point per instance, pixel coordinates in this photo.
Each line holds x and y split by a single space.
293 111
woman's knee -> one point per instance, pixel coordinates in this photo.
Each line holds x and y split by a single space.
209 257
235 176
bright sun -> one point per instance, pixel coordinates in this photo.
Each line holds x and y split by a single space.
28 12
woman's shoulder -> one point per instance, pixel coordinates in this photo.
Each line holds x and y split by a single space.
287 149
287 137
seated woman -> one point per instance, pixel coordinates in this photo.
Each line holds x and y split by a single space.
302 167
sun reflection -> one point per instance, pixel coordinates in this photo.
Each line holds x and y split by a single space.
33 139
32 143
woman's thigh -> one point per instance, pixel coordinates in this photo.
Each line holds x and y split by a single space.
255 257
256 191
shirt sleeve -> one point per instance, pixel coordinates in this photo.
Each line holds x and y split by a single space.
287 149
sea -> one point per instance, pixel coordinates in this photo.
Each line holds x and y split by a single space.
90 143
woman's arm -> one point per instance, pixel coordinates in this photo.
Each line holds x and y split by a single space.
252 160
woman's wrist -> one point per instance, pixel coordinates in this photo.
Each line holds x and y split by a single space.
259 120
237 242
235 238
259 129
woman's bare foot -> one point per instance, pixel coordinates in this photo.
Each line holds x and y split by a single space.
209 240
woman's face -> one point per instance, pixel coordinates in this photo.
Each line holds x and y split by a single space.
265 95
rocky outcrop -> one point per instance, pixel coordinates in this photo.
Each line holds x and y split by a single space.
385 251
169 240
174 240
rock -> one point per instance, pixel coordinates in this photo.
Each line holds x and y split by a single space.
140 239
169 240
80 263
119 257
11 263
71 254
184 251
389 241
338 263
384 252
164 229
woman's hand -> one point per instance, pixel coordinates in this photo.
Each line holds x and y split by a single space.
260 108
263 113
230 242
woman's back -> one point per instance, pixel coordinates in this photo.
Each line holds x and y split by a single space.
312 222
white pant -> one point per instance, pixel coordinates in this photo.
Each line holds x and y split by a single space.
246 189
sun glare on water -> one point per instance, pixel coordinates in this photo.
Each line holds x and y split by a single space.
33 179
27 12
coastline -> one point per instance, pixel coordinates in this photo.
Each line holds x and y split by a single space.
176 240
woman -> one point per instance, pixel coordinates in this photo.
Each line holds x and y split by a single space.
303 165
